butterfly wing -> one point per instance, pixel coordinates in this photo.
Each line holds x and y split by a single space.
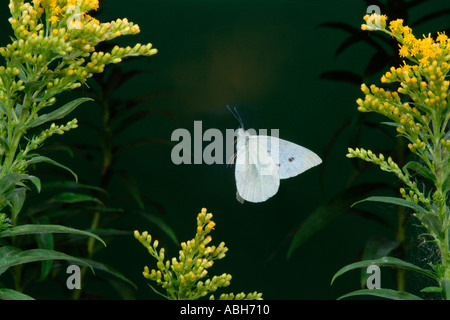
291 158
257 176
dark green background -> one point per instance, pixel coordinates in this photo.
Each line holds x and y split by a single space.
265 58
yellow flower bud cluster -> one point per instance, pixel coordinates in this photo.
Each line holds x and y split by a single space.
374 22
239 296
389 165
54 129
182 277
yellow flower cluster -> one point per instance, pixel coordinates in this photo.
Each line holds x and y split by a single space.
422 51
56 39
424 82
182 277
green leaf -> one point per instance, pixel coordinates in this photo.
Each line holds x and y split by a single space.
15 196
17 200
42 228
420 169
446 184
3 108
384 262
397 201
36 181
445 284
392 124
110 232
71 197
38 159
383 293
431 290
35 255
5 252
9 294
108 269
375 248
68 184
9 181
34 86
58 113
45 241
433 223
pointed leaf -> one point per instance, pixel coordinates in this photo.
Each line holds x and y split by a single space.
58 113
446 185
434 224
5 252
375 248
9 181
68 184
3 108
17 200
397 201
445 284
45 228
45 241
71 197
383 293
35 255
38 159
384 262
35 85
431 290
420 169
110 270
9 294
36 181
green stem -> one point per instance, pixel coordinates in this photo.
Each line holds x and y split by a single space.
400 237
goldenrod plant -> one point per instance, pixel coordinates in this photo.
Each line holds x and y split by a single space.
418 109
184 278
53 50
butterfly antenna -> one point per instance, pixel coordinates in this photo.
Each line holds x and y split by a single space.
236 114
231 160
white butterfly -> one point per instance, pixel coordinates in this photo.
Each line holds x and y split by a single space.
261 161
